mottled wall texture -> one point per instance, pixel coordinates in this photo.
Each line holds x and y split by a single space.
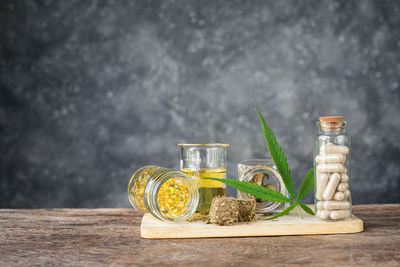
92 90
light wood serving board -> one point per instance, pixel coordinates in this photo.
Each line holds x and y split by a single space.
290 224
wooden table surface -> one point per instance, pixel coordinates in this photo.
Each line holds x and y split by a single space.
112 237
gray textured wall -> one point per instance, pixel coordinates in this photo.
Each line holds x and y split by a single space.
93 90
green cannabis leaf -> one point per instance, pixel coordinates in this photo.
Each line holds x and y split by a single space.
284 212
278 156
254 190
280 160
306 208
306 185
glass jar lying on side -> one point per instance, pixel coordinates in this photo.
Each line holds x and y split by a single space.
167 194
262 172
332 169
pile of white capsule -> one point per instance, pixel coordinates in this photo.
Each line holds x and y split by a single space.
332 183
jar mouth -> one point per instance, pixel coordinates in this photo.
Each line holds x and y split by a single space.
253 162
205 145
203 156
152 196
273 178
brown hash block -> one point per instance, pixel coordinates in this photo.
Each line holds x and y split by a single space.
247 210
224 210
228 210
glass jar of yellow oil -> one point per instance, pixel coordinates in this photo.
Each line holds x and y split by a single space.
205 161
167 194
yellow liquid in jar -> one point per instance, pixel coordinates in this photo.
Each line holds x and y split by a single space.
208 189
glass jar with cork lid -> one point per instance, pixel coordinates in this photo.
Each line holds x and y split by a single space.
167 194
332 147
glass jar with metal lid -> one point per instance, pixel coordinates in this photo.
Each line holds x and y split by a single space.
263 172
167 194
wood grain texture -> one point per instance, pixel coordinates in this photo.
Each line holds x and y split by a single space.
290 224
112 237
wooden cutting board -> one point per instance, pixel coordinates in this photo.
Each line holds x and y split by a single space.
290 224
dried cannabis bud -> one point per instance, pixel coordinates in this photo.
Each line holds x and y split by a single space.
258 179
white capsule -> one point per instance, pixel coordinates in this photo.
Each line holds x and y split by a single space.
345 178
333 149
342 187
322 181
346 194
323 214
339 196
331 168
336 205
339 214
340 140
320 205
330 158
331 186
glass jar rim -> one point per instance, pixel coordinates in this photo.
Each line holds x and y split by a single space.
252 162
153 187
210 144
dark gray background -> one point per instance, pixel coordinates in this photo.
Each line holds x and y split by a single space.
93 90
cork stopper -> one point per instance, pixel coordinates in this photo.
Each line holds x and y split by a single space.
331 123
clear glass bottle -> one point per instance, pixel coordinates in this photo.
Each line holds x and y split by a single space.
262 172
332 149
167 194
201 161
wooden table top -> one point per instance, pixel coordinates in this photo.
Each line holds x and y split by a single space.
112 237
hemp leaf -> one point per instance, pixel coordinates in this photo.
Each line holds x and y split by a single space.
259 192
278 156
280 160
